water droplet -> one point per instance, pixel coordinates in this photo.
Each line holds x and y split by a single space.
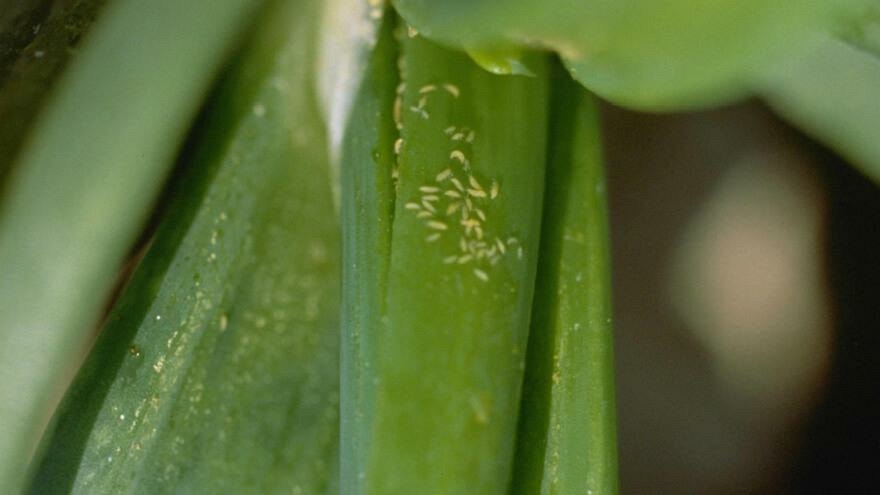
507 60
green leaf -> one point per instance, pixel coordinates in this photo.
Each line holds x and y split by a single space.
864 32
218 369
367 211
831 93
567 438
37 41
442 392
648 54
83 184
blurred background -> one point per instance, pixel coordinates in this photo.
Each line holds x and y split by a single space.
746 304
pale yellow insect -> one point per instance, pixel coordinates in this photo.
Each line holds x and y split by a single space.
459 156
437 225
452 89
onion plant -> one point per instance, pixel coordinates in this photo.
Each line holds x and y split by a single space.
348 246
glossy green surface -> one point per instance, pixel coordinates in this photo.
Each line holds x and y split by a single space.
864 30
650 54
450 348
84 181
567 439
831 93
367 211
217 371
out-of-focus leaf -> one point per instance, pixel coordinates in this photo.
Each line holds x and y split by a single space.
218 369
864 32
35 47
567 439
82 185
652 54
367 210
450 349
832 93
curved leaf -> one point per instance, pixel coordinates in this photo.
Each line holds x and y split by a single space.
831 93
218 369
82 187
642 53
567 439
39 42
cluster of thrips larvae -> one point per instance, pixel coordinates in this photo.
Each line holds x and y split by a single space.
456 199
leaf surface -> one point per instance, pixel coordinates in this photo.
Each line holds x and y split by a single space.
217 371
831 93
83 184
567 439
448 352
38 39
649 54
367 161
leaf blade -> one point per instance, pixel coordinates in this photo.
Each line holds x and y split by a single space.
83 184
567 437
367 212
641 53
218 370
451 347
831 93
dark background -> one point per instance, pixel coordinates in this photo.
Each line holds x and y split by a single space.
799 413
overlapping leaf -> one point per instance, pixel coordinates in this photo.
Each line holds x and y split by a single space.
84 180
217 371
440 393
831 93
37 40
567 438
642 53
